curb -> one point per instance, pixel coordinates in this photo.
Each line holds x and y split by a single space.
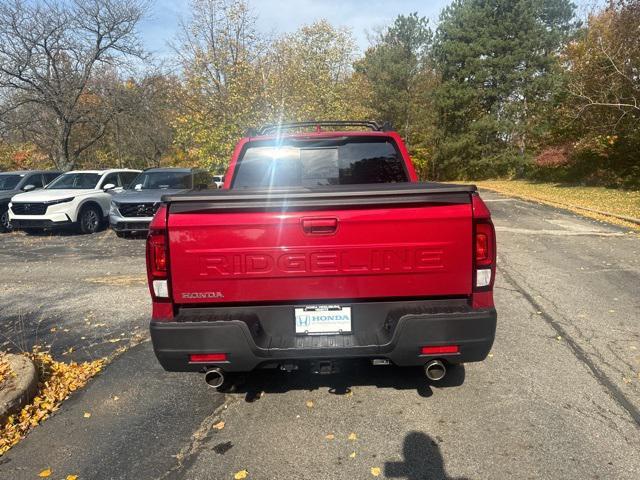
20 388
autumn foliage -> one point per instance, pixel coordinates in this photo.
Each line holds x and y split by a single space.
501 88
57 380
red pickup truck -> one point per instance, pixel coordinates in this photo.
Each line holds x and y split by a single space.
321 248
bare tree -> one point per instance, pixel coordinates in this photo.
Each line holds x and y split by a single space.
140 134
52 54
605 66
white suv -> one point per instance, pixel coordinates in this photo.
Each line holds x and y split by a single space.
79 198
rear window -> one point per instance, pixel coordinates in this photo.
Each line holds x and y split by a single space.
312 163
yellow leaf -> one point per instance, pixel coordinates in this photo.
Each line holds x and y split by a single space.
375 471
72 477
242 474
219 426
45 473
353 437
86 415
309 404
330 436
352 455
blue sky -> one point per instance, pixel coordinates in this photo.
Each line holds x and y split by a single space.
288 15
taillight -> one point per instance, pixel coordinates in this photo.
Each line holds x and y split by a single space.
157 254
484 254
157 257
484 244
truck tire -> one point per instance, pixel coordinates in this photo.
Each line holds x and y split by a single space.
89 219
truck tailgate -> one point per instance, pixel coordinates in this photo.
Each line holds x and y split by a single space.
403 241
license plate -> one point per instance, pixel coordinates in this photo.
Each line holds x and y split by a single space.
323 319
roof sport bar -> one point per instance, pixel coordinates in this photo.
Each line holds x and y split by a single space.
270 129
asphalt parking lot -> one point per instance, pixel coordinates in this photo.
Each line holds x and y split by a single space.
559 397
81 296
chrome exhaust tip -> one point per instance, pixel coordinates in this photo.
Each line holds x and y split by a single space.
435 370
214 377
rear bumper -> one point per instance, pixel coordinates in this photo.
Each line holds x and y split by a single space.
247 348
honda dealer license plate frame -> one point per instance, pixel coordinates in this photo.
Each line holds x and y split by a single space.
323 320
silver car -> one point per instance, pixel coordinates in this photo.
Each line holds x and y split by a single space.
132 210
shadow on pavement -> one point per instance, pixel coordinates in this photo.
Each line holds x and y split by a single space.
359 374
422 460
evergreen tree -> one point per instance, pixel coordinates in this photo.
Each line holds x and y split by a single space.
396 68
498 61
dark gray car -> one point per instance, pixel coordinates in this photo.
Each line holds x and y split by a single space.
12 183
132 210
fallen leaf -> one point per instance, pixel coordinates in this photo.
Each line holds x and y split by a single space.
330 436
87 415
219 426
71 477
353 437
116 398
45 473
309 404
352 455
491 355
375 471
558 337
242 474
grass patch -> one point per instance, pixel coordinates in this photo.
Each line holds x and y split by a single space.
593 202
57 381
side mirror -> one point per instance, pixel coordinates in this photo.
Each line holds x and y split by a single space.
28 188
138 187
108 186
